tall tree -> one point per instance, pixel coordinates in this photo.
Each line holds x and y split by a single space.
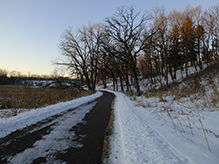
200 33
160 41
175 59
188 40
213 14
91 37
81 51
128 36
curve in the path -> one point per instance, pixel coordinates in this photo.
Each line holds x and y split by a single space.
73 137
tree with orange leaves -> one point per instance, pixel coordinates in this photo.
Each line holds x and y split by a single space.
174 59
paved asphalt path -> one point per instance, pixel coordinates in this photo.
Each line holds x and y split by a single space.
88 133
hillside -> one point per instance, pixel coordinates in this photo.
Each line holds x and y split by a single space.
200 87
184 117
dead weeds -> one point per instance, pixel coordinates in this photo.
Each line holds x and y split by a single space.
14 97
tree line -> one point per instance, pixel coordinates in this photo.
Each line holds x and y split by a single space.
17 78
131 45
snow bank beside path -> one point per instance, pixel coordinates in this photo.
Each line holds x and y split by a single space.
146 135
134 141
28 118
183 132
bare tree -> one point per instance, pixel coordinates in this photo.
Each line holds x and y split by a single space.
212 21
81 52
3 77
200 33
128 36
160 41
91 37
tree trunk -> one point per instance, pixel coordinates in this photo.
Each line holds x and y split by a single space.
114 88
104 79
88 83
121 83
136 82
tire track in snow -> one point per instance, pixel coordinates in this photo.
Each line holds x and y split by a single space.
150 147
119 124
159 136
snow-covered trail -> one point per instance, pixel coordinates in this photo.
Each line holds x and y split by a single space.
134 141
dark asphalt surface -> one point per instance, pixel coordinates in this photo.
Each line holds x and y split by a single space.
97 121
90 133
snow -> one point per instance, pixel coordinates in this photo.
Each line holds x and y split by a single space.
146 130
58 140
144 134
134 141
165 130
8 125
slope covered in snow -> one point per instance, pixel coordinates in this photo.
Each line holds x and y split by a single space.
174 125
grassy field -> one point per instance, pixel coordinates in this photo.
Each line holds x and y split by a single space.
14 97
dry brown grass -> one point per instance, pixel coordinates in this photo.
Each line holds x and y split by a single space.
195 87
21 97
129 93
199 91
108 133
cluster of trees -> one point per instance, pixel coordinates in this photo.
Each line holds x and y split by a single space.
10 78
17 78
185 38
132 44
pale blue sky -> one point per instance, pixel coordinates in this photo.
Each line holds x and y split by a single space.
30 29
